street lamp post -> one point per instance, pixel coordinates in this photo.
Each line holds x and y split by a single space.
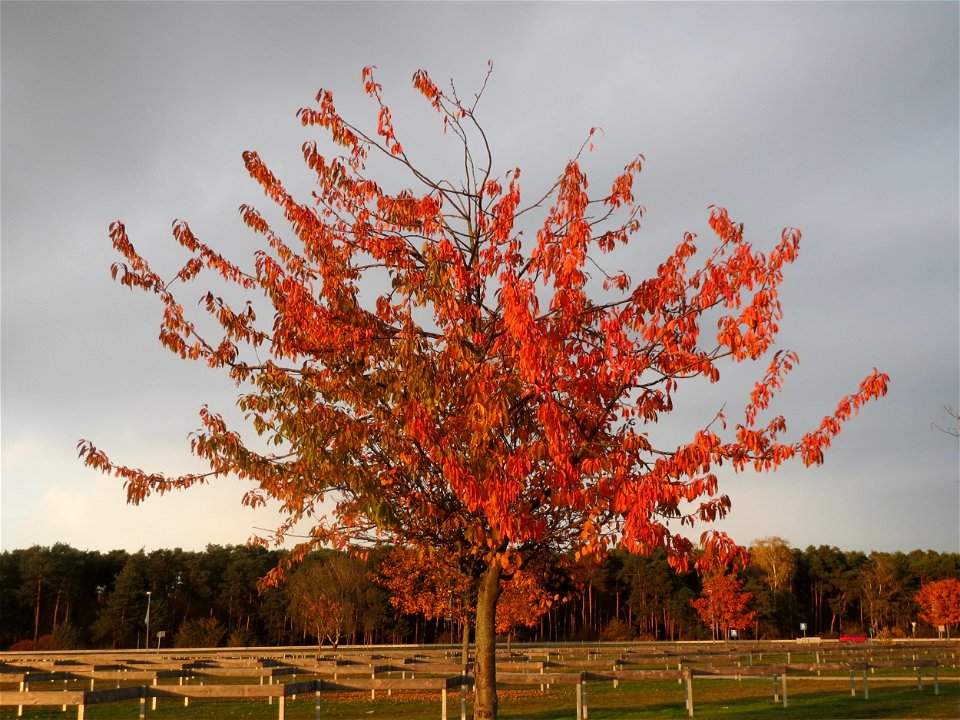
147 620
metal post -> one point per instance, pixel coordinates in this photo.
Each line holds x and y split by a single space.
146 642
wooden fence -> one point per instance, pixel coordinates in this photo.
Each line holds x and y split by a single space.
180 676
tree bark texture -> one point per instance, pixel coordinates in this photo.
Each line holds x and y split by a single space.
485 667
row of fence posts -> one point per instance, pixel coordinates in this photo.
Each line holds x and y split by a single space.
779 693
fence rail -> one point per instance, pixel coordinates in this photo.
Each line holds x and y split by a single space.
151 676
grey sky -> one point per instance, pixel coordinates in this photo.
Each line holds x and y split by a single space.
840 119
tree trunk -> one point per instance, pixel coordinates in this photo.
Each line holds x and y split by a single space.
36 610
485 665
56 609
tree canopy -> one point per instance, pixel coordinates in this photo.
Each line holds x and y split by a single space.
446 380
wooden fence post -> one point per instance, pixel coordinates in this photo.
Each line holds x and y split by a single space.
579 701
783 680
866 690
689 676
586 708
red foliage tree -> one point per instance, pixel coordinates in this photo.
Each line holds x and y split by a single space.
424 583
523 600
939 602
723 605
484 397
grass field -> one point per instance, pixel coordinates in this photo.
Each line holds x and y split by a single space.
743 700
893 692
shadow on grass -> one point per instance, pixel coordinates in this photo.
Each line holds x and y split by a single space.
713 699
749 702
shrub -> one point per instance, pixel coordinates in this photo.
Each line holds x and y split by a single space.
200 632
617 630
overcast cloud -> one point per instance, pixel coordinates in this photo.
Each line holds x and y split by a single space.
837 118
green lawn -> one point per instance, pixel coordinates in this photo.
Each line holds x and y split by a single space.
745 700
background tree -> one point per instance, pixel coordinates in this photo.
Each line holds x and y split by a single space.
202 632
332 597
121 622
722 605
939 603
820 566
652 585
774 556
952 424
313 609
523 600
777 563
879 586
423 584
485 396
652 597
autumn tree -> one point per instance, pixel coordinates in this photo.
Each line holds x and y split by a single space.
775 559
449 365
774 556
879 586
425 584
939 603
332 597
523 600
723 605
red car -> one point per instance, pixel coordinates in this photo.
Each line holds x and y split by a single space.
853 638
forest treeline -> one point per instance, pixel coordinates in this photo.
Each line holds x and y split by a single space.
60 597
